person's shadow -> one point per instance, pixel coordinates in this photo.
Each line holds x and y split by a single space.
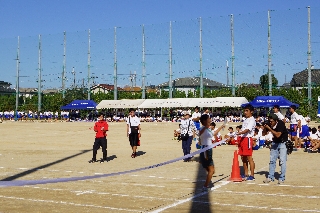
112 157
139 153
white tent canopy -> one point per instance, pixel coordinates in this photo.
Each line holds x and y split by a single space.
176 102
173 103
201 102
152 103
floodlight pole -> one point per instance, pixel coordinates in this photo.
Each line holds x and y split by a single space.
170 61
309 62
227 66
201 74
232 57
143 65
115 90
39 76
63 78
269 55
17 80
89 57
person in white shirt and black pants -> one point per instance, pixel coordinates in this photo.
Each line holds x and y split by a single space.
133 131
188 132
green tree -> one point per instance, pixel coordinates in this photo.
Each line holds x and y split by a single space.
264 81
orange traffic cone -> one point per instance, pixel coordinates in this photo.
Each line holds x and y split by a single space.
235 173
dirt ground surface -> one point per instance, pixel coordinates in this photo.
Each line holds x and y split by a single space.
38 151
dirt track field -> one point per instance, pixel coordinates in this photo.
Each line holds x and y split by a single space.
35 151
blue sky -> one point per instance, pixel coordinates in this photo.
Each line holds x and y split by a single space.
29 18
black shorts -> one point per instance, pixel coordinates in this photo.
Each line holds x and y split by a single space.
206 158
100 142
134 139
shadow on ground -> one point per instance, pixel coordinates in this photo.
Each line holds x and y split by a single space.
22 174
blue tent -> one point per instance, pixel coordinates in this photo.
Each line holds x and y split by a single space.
80 104
270 101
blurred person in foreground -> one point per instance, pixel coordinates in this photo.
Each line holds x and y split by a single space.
278 147
100 127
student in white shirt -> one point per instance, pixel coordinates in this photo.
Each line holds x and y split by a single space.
133 131
196 117
206 160
276 110
293 126
246 142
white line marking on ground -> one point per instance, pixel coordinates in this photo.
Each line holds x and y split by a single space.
190 198
266 194
256 207
23 168
1 167
265 184
98 173
68 171
68 203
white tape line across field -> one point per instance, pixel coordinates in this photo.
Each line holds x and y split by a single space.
59 180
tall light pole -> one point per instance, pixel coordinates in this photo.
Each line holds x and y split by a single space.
269 55
89 59
115 74
170 61
39 76
143 65
63 78
232 58
227 66
17 80
74 78
309 61
201 74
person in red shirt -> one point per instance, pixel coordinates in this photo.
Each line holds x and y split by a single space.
101 128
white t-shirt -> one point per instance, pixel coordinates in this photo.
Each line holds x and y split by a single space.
269 136
196 115
301 118
134 121
314 136
218 135
206 137
232 134
294 117
280 116
250 124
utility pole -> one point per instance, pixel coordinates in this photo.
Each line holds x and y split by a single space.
232 58
17 80
89 59
39 76
63 78
74 78
170 61
269 56
309 62
227 72
201 74
115 74
143 65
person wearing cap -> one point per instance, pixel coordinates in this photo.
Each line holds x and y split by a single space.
278 147
100 127
188 131
196 117
294 125
276 110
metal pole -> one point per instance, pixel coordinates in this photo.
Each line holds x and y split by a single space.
170 61
232 58
39 76
74 78
201 74
89 57
143 65
17 82
269 56
115 90
227 73
309 61
64 65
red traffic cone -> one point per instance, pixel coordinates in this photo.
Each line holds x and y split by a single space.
235 173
